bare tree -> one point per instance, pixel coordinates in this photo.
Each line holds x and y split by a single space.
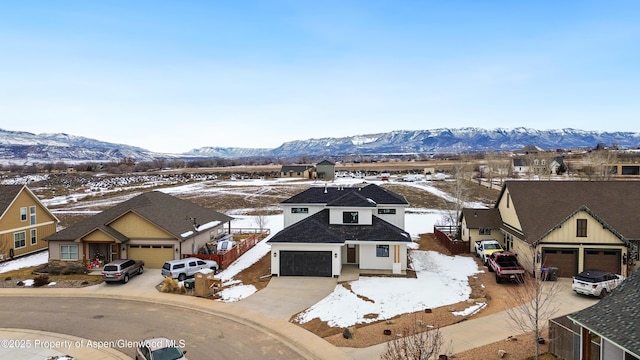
532 303
417 342
458 188
597 164
261 221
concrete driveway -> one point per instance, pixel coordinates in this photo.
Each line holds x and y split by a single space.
288 295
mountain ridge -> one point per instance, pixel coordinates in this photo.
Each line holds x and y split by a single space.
25 147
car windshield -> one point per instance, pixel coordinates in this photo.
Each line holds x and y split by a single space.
168 353
492 246
166 266
110 268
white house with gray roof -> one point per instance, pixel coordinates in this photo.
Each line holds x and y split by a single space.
328 227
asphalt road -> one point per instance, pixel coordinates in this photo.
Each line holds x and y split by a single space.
205 336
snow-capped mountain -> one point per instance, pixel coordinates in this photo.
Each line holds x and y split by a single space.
455 141
25 148
20 147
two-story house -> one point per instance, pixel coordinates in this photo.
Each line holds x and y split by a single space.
24 222
328 227
571 225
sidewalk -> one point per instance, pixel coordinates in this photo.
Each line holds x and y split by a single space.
465 335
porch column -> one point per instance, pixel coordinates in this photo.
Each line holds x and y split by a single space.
397 265
585 346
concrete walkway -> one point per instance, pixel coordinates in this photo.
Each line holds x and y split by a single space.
270 309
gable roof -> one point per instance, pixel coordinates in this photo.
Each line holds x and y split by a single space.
325 162
482 218
616 317
544 205
332 195
296 168
167 212
9 193
316 229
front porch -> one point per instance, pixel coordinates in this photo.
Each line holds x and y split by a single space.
351 272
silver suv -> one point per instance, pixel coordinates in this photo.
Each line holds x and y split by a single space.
183 268
122 270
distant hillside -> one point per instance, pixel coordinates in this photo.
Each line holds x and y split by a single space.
440 141
25 148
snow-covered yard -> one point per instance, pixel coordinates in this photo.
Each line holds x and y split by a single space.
441 280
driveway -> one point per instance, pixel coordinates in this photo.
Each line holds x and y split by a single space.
286 296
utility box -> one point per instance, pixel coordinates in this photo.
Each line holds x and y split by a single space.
205 283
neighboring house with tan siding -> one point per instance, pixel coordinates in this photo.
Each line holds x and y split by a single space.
571 225
153 227
480 224
298 171
24 222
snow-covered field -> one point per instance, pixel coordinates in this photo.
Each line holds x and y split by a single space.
441 280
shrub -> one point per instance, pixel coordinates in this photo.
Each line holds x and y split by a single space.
172 286
41 280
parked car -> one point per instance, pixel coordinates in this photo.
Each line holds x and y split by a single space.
122 270
596 282
160 348
506 267
484 248
184 268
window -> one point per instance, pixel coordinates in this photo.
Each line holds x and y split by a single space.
23 214
299 210
32 215
382 250
387 211
350 217
69 252
581 227
34 236
484 231
19 240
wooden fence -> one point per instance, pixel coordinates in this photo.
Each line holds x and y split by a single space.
455 247
227 258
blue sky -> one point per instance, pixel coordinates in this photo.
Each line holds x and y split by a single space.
172 76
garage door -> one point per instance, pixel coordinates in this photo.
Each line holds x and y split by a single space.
153 256
305 263
607 260
566 260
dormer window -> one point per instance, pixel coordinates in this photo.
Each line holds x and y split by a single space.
350 217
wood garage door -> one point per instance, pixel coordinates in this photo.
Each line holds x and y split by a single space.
153 256
305 263
566 260
607 260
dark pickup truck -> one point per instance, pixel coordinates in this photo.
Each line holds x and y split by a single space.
506 267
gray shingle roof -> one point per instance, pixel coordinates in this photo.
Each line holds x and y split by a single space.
482 218
317 230
165 211
7 194
616 317
331 195
543 205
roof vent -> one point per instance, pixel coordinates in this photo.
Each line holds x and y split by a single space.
325 188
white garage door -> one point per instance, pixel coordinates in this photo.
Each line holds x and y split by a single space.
153 256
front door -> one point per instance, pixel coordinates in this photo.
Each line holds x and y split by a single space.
351 253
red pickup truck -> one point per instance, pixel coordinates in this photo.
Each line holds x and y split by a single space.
506 267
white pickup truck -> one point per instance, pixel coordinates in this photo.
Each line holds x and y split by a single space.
484 249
